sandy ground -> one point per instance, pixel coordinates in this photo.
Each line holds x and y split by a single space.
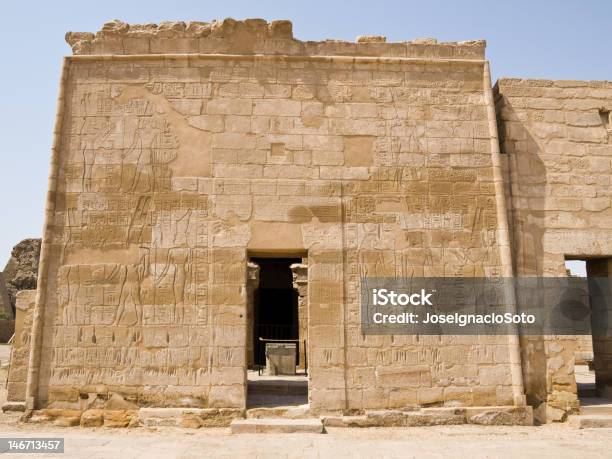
457 441
551 441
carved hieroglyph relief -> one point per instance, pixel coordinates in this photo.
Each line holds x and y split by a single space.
172 168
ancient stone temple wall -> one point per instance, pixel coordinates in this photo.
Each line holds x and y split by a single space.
558 141
182 149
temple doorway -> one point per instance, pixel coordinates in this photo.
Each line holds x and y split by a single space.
593 359
276 325
275 312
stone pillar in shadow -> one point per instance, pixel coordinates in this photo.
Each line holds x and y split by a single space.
300 284
252 285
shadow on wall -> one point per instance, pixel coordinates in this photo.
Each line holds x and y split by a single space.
527 212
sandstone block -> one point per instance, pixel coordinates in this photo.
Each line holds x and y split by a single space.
591 118
591 421
118 418
327 158
212 123
191 421
346 421
596 204
229 107
388 418
435 417
13 406
545 414
92 418
512 416
277 426
67 421
276 107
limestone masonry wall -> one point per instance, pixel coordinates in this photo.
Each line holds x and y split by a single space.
183 148
170 170
558 140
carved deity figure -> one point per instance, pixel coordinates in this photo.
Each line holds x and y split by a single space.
95 134
146 153
178 266
70 284
132 276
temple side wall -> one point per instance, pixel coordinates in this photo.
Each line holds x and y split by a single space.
557 138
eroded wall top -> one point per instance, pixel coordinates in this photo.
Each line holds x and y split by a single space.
252 36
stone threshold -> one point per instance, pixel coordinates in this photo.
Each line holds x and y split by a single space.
487 415
259 426
590 421
223 417
143 417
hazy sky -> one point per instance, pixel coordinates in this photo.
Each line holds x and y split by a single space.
535 39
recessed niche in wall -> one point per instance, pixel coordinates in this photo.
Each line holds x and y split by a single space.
605 117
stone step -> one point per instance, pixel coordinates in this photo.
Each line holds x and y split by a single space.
13 406
287 412
591 421
275 400
596 406
247 426
278 387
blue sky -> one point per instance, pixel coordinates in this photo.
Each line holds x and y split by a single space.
536 39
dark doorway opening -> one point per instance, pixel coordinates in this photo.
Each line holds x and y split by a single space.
593 359
275 304
275 320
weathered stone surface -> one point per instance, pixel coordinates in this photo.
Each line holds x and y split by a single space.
591 421
558 145
67 421
435 417
500 416
92 418
304 156
117 402
21 271
20 352
346 421
13 406
119 418
248 37
277 426
58 417
390 418
280 358
545 413
371 39
287 412
188 417
185 147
